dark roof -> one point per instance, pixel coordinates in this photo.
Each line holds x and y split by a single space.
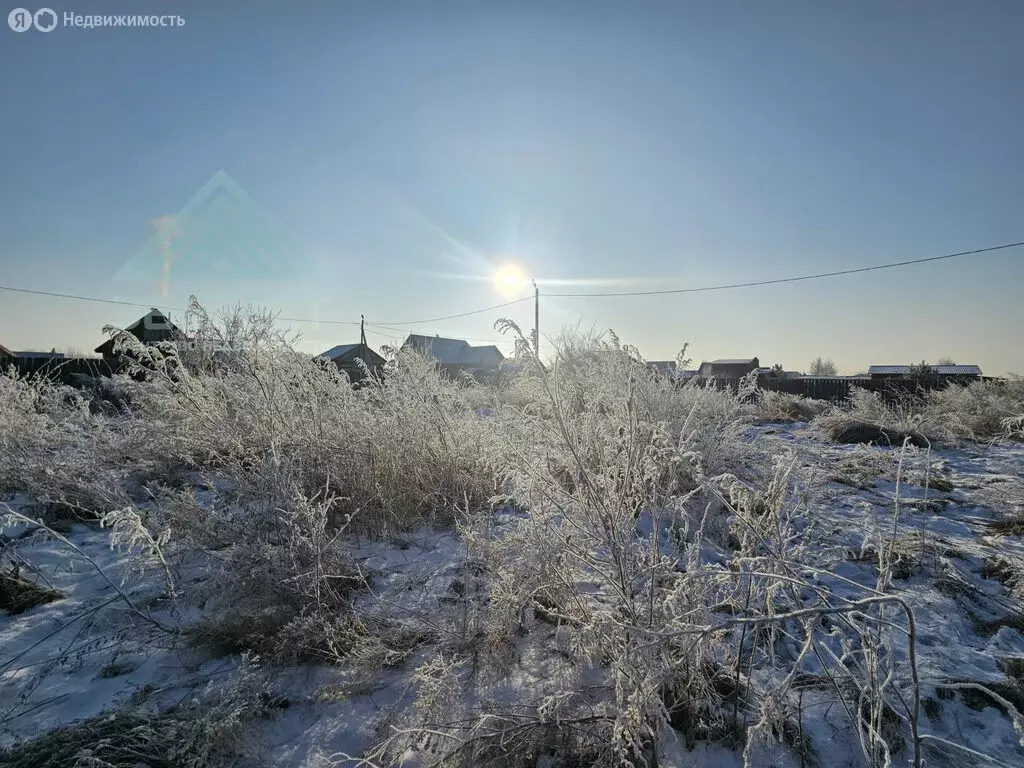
5 352
338 351
152 326
451 351
351 352
730 367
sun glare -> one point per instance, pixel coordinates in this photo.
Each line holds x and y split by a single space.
509 280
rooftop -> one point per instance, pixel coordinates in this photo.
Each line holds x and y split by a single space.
338 351
450 351
941 370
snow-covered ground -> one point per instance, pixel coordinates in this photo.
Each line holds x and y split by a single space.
105 647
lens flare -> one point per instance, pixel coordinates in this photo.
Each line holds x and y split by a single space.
509 280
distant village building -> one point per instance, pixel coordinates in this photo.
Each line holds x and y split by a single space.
456 355
666 368
51 355
151 328
347 357
728 369
954 372
670 369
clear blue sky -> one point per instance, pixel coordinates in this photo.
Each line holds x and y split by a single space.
405 146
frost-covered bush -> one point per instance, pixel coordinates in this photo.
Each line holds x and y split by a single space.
302 460
55 451
390 453
981 410
207 730
613 514
867 418
781 406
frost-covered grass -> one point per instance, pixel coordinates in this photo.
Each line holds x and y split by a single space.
579 564
981 411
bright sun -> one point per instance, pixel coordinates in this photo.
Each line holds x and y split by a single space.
509 280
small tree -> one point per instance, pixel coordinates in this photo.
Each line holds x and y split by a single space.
823 366
945 361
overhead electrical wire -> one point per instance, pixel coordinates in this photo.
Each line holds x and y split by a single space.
407 332
777 281
701 289
461 314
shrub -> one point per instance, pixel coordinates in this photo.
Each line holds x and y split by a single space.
780 406
981 410
56 451
867 418
18 594
206 731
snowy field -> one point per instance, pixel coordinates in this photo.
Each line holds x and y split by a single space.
97 650
584 567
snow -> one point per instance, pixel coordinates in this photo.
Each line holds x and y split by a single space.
90 653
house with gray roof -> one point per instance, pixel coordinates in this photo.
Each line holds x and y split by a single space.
151 328
879 372
347 358
669 369
455 355
728 368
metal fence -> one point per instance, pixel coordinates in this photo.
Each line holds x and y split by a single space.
66 370
838 389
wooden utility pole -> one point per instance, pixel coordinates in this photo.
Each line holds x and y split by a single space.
536 319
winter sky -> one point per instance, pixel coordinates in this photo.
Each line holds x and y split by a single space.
400 152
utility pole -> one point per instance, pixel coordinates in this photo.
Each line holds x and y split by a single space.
536 319
362 333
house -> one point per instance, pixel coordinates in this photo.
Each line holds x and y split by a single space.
5 352
151 328
670 369
345 356
456 355
666 368
953 372
728 369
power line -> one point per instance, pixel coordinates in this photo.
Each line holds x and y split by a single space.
406 331
84 298
751 284
462 314
317 320
286 319
788 279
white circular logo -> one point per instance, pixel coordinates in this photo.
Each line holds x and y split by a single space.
20 20
45 19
